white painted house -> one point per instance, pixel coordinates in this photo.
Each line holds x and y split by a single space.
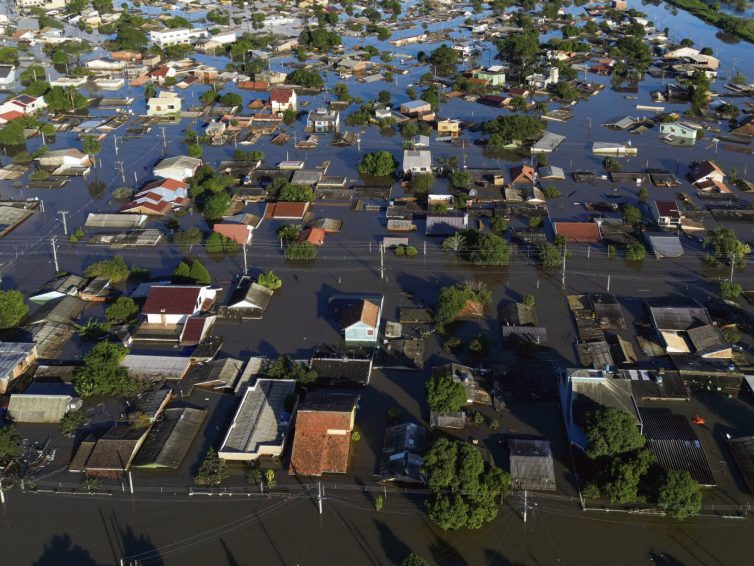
178 36
417 161
23 103
7 76
179 168
164 104
174 304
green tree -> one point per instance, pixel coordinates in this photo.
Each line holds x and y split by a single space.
549 255
296 193
378 164
12 308
566 91
124 309
285 368
194 150
460 179
10 444
216 205
199 273
610 432
623 475
454 243
182 273
643 194
301 251
421 182
725 246
188 238
730 291
631 214
91 145
635 252
101 373
679 495
270 280
115 269
59 99
231 99
445 394
529 300
212 472
489 249
92 330
289 232
71 421
219 244
454 299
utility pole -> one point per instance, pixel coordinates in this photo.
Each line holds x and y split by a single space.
63 213
115 139
245 265
2 493
319 496
382 261
526 497
732 265
608 282
122 171
562 279
164 139
55 253
131 482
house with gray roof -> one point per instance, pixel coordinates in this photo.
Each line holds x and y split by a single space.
15 359
532 465
261 423
43 402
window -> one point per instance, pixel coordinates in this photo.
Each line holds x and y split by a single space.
370 332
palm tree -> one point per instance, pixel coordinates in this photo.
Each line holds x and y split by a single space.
91 145
454 243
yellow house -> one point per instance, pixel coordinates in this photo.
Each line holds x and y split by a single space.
449 127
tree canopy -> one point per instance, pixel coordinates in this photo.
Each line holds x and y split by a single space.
285 368
378 164
124 309
725 246
114 269
445 394
610 432
270 280
679 495
213 470
464 487
455 299
12 308
102 374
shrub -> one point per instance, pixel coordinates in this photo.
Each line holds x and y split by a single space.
730 291
270 280
635 252
301 251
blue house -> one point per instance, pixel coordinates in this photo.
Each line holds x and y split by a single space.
361 321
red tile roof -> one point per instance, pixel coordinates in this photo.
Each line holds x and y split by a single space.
11 115
192 331
314 236
314 451
292 210
363 311
170 184
667 208
147 207
281 95
237 232
171 299
579 232
522 174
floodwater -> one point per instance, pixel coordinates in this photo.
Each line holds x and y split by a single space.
229 531
48 529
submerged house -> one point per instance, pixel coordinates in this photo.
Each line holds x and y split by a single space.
174 304
361 321
322 443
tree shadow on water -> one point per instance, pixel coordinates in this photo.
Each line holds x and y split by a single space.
139 547
494 557
61 550
395 549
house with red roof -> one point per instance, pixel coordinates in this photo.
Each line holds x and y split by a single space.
161 73
235 231
175 304
24 103
324 423
286 210
361 321
314 236
578 232
707 171
523 175
282 99
159 198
